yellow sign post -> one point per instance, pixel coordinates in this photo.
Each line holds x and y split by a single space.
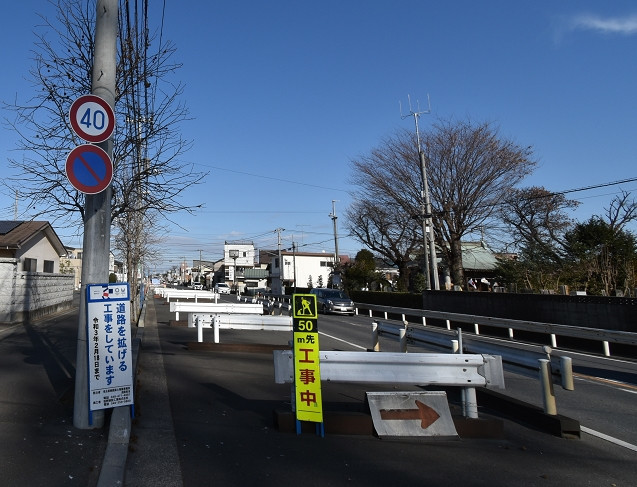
307 371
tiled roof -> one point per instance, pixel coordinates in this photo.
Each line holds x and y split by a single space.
15 234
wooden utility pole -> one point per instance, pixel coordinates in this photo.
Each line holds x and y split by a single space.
97 210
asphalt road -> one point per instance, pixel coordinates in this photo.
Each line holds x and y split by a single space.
221 404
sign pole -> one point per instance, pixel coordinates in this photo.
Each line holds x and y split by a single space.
97 211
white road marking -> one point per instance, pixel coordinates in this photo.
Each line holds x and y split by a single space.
341 340
611 439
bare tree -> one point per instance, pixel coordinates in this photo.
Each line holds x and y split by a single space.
147 142
536 218
621 211
471 169
387 230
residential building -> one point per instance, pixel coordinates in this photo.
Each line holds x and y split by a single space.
32 284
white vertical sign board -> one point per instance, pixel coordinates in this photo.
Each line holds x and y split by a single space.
109 345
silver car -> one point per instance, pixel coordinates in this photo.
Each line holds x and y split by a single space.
333 301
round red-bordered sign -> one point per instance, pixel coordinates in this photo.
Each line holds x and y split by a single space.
92 118
89 169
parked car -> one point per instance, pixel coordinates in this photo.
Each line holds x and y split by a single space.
197 286
222 288
333 301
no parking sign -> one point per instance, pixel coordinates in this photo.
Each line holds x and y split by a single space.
89 169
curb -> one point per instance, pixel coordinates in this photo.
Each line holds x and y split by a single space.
114 464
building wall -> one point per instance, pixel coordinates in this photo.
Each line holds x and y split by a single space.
28 295
303 266
41 250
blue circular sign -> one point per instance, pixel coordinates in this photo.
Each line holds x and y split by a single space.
89 169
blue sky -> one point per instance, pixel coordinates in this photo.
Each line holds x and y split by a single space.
284 94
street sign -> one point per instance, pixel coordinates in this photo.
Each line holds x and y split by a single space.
411 413
92 118
109 345
307 371
89 169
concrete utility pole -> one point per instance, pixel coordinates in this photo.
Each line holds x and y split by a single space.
97 210
431 277
334 218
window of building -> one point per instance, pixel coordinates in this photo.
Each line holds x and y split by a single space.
29 265
49 265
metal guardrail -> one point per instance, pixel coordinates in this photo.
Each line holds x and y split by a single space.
212 308
475 321
169 293
243 322
540 362
464 370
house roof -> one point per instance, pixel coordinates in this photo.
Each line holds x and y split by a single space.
256 273
16 234
476 256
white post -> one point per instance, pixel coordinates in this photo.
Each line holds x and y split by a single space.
375 342
403 340
606 349
471 403
548 395
215 328
511 333
199 329
553 340
566 364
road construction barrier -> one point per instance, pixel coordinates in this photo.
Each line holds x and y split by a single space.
530 360
169 293
210 309
463 370
243 322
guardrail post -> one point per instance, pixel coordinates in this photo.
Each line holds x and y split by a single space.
476 329
215 328
385 314
454 346
403 339
553 340
448 324
606 349
424 321
566 364
470 403
375 341
548 395
511 333
370 313
199 329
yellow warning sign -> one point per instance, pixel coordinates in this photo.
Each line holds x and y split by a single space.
307 371
304 306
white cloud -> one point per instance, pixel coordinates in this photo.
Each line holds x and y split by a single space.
610 25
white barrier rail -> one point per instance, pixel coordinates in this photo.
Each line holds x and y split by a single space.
243 322
464 370
212 309
474 321
169 293
549 369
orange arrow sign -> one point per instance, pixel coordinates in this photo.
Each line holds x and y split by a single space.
426 414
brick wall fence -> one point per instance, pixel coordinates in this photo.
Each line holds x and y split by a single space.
29 295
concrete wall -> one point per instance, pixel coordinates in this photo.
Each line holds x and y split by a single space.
29 295
611 313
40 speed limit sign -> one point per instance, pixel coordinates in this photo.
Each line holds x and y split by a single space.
92 118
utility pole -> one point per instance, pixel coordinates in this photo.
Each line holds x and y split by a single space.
97 211
334 218
431 277
279 285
